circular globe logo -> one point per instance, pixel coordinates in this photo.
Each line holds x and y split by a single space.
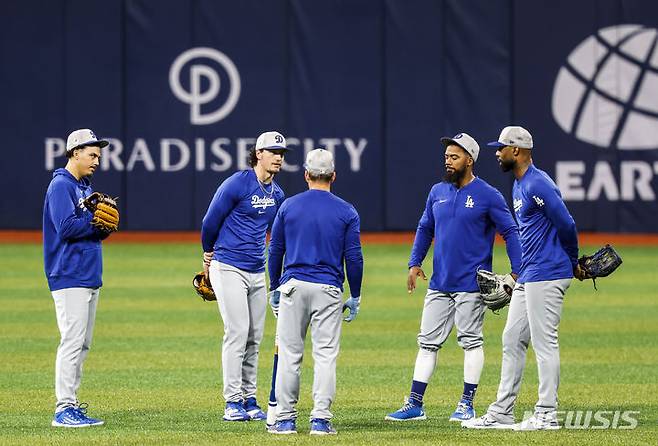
606 94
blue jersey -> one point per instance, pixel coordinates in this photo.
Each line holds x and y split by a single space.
317 231
237 220
71 245
463 223
548 233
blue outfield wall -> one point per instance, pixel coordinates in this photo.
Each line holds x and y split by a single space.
182 89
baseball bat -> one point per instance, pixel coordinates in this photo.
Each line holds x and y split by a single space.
271 404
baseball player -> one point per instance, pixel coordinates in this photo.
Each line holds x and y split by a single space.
549 244
233 239
316 231
73 265
462 215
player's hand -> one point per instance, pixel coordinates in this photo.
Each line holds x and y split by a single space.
352 304
207 258
275 299
579 273
414 272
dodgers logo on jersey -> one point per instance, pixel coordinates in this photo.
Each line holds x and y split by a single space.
517 204
538 200
262 202
469 202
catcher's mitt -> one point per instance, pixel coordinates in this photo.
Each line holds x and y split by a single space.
203 287
600 264
105 210
495 289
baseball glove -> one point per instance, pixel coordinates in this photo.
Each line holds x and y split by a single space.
600 264
495 289
203 287
106 213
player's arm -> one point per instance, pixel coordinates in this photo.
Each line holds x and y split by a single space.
422 242
505 225
281 197
556 211
224 200
354 255
62 206
276 250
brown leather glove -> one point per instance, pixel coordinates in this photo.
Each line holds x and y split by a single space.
105 210
203 287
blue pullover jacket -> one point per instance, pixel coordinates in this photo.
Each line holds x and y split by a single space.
71 245
463 223
237 220
318 232
548 232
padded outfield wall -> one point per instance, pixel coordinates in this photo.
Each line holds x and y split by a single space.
182 89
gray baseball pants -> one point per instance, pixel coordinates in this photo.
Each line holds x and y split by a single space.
533 316
75 309
443 310
320 306
242 302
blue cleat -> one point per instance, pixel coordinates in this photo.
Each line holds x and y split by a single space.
253 409
321 426
283 427
408 412
463 412
69 417
82 412
234 411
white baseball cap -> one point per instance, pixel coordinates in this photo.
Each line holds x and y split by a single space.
271 140
83 137
513 136
465 141
319 162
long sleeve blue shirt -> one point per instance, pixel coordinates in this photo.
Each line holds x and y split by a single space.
548 232
317 232
237 220
71 245
463 223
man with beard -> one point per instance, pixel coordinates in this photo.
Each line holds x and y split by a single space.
233 239
549 242
462 215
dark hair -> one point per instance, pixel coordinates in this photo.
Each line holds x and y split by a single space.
70 153
323 177
252 159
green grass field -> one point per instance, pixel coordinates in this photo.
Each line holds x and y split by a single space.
154 369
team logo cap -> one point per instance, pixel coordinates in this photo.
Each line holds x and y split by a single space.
465 141
83 137
271 140
514 136
319 162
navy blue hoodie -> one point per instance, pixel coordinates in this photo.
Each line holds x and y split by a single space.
71 245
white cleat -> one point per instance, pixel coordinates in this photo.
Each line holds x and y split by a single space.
486 421
535 423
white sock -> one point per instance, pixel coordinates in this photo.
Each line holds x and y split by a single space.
425 364
473 364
